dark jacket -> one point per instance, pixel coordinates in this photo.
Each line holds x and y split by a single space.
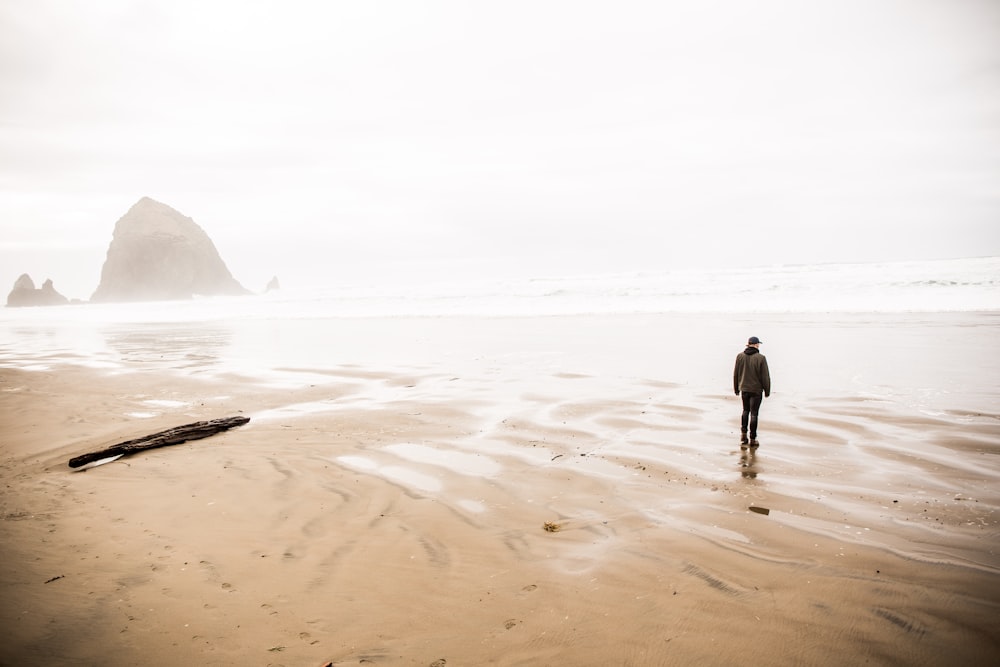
750 373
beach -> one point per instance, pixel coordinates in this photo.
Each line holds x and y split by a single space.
561 490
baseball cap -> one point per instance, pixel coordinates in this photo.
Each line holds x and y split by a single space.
753 341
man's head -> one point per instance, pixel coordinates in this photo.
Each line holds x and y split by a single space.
753 342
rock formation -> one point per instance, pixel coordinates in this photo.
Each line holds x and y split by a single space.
25 294
273 284
157 254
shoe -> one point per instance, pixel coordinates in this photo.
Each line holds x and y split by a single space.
743 439
754 443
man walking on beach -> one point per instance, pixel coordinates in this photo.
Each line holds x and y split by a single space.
752 380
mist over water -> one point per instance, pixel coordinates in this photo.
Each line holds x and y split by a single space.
961 285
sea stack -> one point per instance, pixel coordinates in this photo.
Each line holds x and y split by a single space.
158 254
25 294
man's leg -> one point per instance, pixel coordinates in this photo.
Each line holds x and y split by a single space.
745 417
754 407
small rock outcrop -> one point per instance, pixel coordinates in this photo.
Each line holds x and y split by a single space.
25 294
273 284
158 254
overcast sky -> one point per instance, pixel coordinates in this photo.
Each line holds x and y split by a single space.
324 140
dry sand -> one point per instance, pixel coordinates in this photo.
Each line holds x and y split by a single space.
380 512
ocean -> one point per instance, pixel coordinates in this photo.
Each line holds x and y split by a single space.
953 285
923 332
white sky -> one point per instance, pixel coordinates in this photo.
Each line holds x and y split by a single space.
322 141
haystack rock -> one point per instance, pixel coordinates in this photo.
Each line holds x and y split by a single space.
25 294
158 254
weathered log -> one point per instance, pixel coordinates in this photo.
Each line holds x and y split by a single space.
172 436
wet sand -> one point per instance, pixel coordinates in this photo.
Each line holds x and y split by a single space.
387 503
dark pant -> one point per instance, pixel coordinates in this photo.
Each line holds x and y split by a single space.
751 406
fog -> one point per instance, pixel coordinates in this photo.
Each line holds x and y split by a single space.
336 142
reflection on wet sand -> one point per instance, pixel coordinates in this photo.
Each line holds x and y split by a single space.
176 347
748 460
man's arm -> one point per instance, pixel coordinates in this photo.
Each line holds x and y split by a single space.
736 375
765 378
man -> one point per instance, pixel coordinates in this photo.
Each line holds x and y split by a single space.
752 380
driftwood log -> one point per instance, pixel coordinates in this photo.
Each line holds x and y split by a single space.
172 436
